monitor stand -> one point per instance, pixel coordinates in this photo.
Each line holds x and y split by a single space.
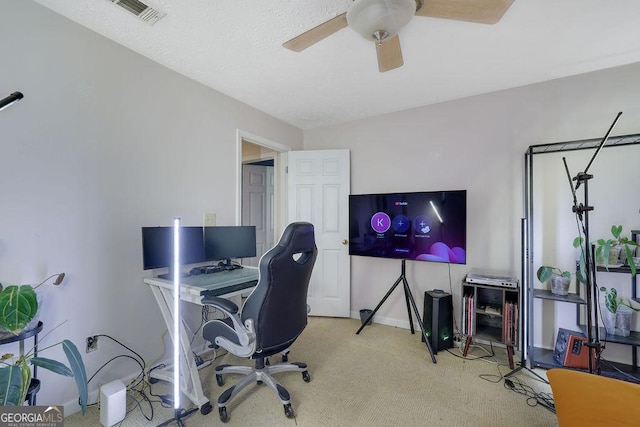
228 265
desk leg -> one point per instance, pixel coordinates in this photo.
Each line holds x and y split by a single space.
190 384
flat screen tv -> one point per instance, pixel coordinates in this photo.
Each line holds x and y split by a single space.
420 226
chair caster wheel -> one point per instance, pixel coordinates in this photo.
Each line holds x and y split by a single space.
306 377
206 408
288 410
223 414
219 380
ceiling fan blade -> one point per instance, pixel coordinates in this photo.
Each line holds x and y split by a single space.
316 34
480 11
389 54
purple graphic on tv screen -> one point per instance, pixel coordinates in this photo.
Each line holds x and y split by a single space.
421 226
400 223
380 222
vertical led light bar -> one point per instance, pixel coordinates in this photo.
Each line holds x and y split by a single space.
176 314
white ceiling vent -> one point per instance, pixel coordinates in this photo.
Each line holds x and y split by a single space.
142 11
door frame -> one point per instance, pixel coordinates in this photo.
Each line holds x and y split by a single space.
279 168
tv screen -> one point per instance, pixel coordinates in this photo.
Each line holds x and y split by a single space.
226 242
157 246
421 226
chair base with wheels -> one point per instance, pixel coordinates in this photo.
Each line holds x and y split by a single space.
261 373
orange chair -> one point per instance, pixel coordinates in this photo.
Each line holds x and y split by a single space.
583 399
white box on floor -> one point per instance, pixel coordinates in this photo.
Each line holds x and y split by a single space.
113 403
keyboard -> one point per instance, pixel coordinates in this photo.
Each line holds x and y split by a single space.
228 289
210 269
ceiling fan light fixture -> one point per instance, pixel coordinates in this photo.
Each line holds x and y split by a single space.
380 19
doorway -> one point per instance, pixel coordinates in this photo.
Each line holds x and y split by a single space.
259 191
257 204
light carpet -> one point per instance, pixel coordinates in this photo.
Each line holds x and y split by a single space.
382 377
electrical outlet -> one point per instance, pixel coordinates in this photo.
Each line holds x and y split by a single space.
92 343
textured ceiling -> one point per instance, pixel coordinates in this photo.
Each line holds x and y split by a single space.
235 47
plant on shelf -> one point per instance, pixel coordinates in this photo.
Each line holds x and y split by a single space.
621 243
545 272
613 302
560 279
18 311
604 254
617 316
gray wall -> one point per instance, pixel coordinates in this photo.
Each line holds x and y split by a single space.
104 142
478 144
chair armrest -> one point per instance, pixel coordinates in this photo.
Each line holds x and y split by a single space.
223 304
246 336
244 333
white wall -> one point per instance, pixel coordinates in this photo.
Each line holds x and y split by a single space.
478 144
85 161
104 142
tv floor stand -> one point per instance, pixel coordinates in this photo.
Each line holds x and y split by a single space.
411 303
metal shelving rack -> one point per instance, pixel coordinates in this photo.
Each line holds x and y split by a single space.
538 356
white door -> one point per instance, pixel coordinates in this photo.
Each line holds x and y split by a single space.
257 207
318 192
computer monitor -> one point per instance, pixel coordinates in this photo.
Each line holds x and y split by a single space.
157 246
221 243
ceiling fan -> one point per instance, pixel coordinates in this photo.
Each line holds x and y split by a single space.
381 20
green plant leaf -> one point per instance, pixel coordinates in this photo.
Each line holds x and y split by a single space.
26 377
11 386
79 372
52 365
616 230
18 306
544 273
577 242
611 300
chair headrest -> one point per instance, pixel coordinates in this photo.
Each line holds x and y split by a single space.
298 237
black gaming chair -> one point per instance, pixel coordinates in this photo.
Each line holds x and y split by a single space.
271 319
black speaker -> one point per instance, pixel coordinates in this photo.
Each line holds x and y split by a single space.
438 319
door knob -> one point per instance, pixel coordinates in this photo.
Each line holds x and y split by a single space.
345 241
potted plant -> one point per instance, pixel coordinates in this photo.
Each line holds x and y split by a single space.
18 309
560 279
616 244
604 249
617 315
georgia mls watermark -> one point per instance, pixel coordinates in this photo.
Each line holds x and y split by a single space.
31 416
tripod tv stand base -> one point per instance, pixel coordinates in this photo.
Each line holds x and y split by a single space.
411 304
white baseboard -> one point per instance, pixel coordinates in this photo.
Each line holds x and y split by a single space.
404 324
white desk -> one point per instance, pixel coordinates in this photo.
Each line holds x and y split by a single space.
190 288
